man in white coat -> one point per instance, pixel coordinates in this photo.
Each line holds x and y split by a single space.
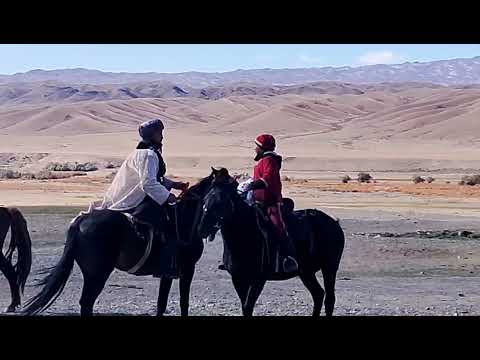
140 186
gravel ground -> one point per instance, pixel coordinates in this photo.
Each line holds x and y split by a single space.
378 276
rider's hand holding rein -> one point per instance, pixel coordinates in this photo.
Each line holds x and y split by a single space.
182 186
172 199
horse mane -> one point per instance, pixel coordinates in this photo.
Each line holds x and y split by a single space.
199 185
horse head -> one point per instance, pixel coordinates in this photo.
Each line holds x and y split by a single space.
218 203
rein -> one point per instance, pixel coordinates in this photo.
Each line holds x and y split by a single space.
185 196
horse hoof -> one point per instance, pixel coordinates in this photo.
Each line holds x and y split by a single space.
11 309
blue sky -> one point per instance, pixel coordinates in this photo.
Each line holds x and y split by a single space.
217 58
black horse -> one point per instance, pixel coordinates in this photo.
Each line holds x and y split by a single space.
248 255
16 274
103 240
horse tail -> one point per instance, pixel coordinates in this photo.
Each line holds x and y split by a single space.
57 278
12 244
20 240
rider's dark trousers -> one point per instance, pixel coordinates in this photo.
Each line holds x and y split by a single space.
156 215
151 212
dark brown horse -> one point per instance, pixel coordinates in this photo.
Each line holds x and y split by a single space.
16 274
248 254
103 240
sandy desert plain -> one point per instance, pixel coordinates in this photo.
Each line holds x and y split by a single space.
392 131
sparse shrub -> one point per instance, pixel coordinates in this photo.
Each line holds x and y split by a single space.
28 176
85 167
303 106
346 179
474 180
430 179
113 165
364 177
470 180
447 182
465 180
9 174
45 175
55 166
41 175
286 178
418 179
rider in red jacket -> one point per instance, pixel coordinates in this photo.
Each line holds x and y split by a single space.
267 188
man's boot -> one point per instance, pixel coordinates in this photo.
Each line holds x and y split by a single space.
172 248
160 244
287 253
173 271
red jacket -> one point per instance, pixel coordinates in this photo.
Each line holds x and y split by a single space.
268 170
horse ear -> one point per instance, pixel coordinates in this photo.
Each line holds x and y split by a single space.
214 171
224 172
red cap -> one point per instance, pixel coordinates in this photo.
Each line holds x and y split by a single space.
266 142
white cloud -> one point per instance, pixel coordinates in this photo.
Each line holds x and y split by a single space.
307 59
379 57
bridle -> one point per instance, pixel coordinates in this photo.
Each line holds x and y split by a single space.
220 220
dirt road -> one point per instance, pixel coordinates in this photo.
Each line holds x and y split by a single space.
378 275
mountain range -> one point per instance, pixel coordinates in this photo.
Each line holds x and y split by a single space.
51 92
443 72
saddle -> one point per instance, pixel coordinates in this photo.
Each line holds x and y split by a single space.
154 249
263 220
299 228
144 230
271 261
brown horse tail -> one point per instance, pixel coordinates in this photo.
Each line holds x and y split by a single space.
20 240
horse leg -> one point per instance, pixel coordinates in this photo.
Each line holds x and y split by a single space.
185 283
11 276
311 283
163 292
329 278
254 292
241 287
92 287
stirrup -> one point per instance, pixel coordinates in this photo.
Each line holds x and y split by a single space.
290 265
